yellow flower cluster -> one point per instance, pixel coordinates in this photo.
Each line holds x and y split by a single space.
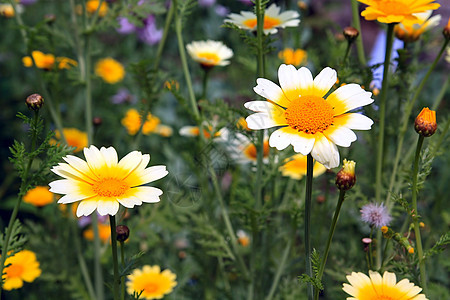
47 61
295 57
132 122
92 6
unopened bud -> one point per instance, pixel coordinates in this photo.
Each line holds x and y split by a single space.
123 232
49 18
425 123
97 121
345 178
421 224
411 250
302 5
446 31
35 102
384 229
350 33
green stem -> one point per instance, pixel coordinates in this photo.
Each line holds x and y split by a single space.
88 92
371 250
405 122
280 270
359 40
347 51
112 224
423 275
309 180
205 82
330 237
441 95
227 221
382 109
22 191
187 75
122 261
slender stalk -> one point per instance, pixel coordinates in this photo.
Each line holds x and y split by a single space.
441 94
359 40
22 191
380 149
112 224
227 221
405 122
187 75
330 237
122 261
309 179
205 82
371 249
279 271
347 51
423 274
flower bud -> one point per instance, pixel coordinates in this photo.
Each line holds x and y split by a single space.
50 18
97 121
122 232
446 31
35 102
345 178
350 33
425 123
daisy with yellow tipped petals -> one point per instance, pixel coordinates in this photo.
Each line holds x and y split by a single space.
306 119
210 53
153 283
295 167
102 182
375 287
22 266
273 19
394 11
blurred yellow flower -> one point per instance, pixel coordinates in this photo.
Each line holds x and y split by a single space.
42 60
243 238
295 57
242 124
110 70
23 266
39 196
194 131
92 6
295 167
132 122
66 63
153 283
7 10
74 138
394 11
164 130
410 30
104 232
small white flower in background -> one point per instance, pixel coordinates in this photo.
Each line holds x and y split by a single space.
210 53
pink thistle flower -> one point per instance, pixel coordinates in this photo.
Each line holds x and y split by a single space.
375 215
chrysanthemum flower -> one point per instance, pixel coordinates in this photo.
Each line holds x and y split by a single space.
110 70
308 121
394 11
132 122
375 215
92 6
39 196
410 30
23 266
209 53
66 63
241 149
273 19
295 167
102 182
42 60
104 232
375 287
295 57
74 138
153 283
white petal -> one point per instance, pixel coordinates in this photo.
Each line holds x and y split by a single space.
353 121
66 186
107 207
94 158
269 90
78 164
86 207
348 97
259 106
109 155
303 143
70 198
325 152
324 81
340 135
306 82
130 162
130 202
154 173
289 79
147 194
260 121
279 139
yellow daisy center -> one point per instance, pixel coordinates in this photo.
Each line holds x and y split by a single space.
309 114
14 271
110 187
212 58
251 153
269 22
151 287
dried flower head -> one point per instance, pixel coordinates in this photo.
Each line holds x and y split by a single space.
350 33
425 123
375 215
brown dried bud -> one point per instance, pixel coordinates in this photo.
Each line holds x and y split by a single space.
97 121
345 178
425 123
123 232
35 102
446 31
350 33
